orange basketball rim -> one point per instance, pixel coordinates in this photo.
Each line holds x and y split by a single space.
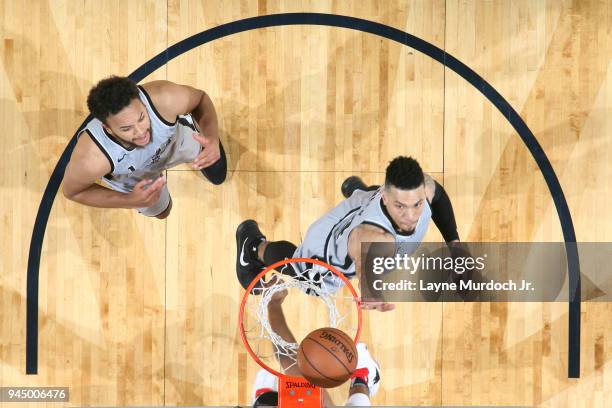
296 391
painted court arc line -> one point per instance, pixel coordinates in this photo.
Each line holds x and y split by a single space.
353 23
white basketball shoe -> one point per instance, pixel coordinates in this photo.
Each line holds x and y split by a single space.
367 368
264 382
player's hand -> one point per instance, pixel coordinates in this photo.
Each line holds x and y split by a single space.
210 151
279 297
146 192
372 304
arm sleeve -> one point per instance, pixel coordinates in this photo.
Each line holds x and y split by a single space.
443 215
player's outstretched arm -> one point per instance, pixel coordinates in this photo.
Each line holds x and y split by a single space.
442 212
87 165
172 99
367 234
278 323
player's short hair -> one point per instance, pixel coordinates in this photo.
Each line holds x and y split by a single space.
404 173
267 399
110 95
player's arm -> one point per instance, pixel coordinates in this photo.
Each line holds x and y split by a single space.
172 99
366 235
87 165
442 212
278 323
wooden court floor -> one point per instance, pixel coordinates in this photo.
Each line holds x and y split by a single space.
137 311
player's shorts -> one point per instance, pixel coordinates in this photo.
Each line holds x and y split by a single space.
160 206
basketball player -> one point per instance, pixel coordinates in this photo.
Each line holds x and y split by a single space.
138 132
398 212
364 381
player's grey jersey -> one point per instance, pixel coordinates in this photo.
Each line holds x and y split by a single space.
327 239
131 165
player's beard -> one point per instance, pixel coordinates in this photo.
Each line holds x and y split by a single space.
410 232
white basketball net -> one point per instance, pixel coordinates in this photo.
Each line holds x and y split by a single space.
317 284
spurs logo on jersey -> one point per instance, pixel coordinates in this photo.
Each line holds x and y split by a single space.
327 239
158 153
167 148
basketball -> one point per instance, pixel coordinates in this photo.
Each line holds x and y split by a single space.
327 357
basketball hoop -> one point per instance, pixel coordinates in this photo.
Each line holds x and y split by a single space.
312 286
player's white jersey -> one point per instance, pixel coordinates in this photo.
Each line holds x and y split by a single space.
165 150
327 239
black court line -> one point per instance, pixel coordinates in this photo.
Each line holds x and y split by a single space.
353 23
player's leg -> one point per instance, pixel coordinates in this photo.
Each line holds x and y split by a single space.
270 252
166 212
254 252
265 389
365 380
358 398
355 183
